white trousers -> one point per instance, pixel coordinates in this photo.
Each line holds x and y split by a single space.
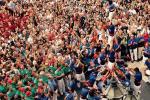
137 90
80 77
140 52
144 59
133 54
67 80
110 39
55 96
61 86
110 16
111 65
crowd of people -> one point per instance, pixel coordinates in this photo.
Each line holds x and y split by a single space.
70 49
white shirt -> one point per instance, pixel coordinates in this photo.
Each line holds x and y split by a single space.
30 40
11 5
132 11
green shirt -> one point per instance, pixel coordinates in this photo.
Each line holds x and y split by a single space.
35 80
22 71
2 88
13 85
33 91
18 93
44 78
10 94
59 73
66 70
28 72
104 1
52 69
23 53
29 98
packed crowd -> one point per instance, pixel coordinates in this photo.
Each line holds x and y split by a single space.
63 49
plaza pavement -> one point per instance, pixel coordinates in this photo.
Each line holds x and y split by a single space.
145 87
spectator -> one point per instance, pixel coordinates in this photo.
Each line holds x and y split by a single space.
137 80
46 45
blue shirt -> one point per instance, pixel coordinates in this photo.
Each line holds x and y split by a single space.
112 55
128 75
100 85
132 41
86 60
111 7
111 29
84 92
52 85
93 97
93 75
70 96
73 85
148 40
147 63
126 82
93 50
141 38
102 56
140 41
42 98
87 44
92 78
115 46
138 76
147 50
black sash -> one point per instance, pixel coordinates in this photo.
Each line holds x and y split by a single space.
146 55
141 44
112 60
133 46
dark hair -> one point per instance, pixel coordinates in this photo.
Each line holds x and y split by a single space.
110 2
136 69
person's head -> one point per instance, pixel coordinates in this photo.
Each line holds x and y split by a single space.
139 34
132 36
136 69
149 59
146 44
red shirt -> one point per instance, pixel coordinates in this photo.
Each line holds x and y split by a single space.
146 36
51 36
6 34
